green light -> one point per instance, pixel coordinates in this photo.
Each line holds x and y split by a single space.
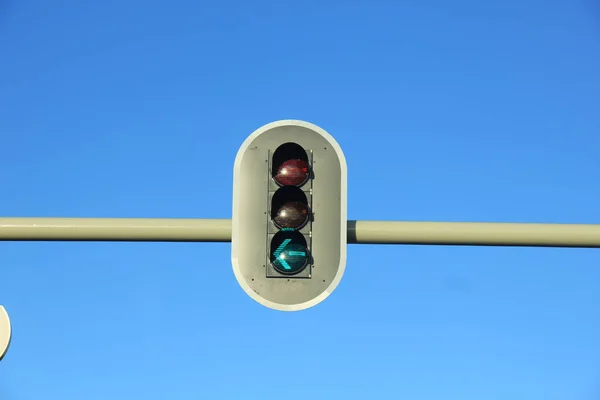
289 253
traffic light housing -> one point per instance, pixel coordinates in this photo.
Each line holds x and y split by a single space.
289 215
289 219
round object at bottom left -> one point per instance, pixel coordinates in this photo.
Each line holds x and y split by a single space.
5 332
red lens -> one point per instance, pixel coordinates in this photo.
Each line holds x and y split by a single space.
292 173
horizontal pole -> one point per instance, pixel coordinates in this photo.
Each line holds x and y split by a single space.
359 232
474 234
115 229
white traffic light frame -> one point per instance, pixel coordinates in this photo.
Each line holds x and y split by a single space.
250 204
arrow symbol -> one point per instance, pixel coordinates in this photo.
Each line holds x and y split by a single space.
278 251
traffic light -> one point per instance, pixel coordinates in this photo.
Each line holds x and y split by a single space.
5 332
288 244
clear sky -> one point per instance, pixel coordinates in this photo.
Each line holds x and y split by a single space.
452 111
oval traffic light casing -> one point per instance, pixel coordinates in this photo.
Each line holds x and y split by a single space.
289 217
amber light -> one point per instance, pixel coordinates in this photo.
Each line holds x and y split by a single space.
293 214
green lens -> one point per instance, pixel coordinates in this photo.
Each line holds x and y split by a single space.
289 253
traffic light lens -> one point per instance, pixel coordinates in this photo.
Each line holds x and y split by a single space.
292 173
293 214
289 253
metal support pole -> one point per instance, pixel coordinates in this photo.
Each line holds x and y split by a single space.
359 232
115 229
474 234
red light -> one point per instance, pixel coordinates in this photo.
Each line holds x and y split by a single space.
292 173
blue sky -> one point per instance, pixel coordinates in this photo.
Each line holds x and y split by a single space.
449 111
